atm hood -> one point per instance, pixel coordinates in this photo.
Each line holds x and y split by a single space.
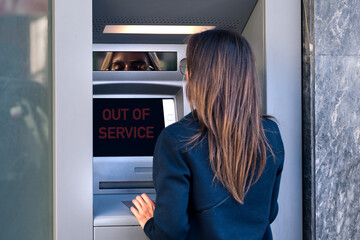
232 14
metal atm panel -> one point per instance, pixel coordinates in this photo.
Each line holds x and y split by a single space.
117 179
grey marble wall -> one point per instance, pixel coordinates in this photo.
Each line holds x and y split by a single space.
332 98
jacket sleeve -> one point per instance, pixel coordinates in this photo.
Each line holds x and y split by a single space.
274 208
171 176
279 158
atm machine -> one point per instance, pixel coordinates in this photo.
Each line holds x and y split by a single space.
130 108
88 190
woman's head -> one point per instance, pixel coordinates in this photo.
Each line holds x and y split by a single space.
221 71
222 87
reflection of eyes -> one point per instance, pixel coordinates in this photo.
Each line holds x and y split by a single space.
130 66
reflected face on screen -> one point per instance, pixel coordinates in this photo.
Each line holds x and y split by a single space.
130 61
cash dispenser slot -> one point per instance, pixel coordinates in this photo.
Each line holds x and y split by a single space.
126 185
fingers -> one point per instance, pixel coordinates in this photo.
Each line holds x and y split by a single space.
138 205
148 201
141 201
144 205
143 210
135 212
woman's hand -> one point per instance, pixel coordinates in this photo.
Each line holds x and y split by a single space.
145 209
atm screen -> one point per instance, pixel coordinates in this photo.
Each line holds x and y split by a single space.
134 61
129 127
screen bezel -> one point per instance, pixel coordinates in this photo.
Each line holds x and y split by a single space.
99 55
171 76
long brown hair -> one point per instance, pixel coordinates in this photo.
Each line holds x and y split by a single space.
222 86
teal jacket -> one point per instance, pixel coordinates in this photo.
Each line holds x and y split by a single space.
191 205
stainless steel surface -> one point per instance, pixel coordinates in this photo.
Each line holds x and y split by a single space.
172 76
220 13
124 169
255 35
72 79
109 210
72 87
112 217
120 169
283 80
114 220
120 232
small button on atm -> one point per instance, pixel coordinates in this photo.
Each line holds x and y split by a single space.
137 91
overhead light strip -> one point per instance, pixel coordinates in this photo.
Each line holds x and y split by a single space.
155 29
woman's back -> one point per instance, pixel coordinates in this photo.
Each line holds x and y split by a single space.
192 205
217 171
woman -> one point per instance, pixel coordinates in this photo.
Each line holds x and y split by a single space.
217 171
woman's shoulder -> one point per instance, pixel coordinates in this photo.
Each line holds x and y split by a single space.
269 124
181 132
272 133
186 127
